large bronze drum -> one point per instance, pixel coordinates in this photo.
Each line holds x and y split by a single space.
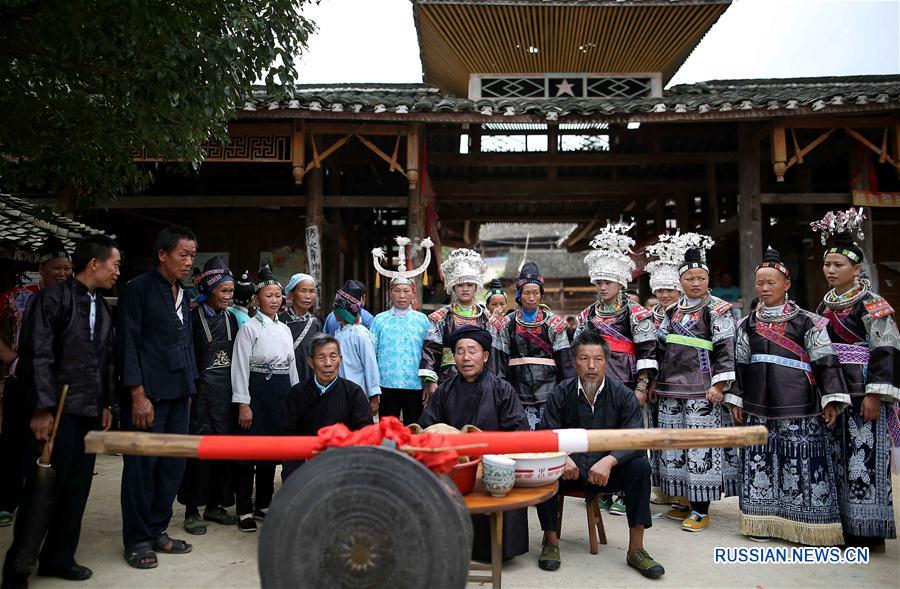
365 517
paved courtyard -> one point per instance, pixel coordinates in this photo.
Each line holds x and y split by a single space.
225 557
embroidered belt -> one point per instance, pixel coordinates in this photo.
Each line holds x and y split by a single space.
621 346
269 370
781 361
851 354
693 342
447 358
525 361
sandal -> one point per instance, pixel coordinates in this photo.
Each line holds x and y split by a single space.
175 546
141 558
194 524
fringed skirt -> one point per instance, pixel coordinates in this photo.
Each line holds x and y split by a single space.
788 487
699 474
862 451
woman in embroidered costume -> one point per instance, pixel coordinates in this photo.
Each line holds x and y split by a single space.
399 336
531 349
300 294
666 287
865 337
463 272
695 348
208 482
789 380
262 373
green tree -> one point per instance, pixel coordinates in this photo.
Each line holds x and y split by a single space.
85 84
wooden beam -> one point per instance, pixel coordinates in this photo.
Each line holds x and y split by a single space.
598 158
829 122
563 191
749 212
811 198
252 201
352 128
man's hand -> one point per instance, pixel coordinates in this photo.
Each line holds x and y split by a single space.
141 408
245 416
41 424
714 394
374 402
871 407
106 419
737 414
830 414
427 391
570 470
599 473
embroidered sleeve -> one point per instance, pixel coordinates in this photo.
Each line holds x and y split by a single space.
825 364
883 374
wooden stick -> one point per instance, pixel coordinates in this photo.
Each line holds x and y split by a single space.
477 443
47 450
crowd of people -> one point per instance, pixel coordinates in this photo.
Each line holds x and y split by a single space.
252 358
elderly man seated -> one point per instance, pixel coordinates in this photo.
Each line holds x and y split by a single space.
593 401
476 396
323 399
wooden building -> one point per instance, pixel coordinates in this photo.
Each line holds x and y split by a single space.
542 111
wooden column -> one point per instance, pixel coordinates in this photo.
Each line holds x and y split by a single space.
860 167
749 211
314 233
415 220
712 196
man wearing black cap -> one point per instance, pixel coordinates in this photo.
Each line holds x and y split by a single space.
476 396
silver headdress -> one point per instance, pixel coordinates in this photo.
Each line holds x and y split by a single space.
610 259
401 275
461 266
836 223
664 269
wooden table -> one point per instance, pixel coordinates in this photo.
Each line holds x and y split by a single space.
480 501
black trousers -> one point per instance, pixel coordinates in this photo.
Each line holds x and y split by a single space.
264 472
74 471
207 482
150 483
405 401
631 478
17 451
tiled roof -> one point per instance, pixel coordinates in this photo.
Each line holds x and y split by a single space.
712 99
522 231
24 226
553 264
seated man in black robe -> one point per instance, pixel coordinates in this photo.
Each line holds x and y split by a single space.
323 399
594 401
476 396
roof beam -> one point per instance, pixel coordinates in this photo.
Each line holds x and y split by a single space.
599 158
805 198
254 201
538 190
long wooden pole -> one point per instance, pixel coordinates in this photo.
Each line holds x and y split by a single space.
476 443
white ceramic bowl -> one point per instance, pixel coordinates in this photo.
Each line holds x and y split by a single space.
537 469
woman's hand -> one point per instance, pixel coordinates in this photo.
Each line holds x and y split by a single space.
245 416
871 407
737 414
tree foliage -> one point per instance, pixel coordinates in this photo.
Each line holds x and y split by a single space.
85 84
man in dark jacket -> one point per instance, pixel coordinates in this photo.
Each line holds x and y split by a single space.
66 340
323 399
158 369
594 401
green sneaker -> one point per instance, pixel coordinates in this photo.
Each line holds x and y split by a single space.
194 524
220 516
617 508
549 558
6 518
604 502
640 560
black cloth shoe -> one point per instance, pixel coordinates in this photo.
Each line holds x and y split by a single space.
246 523
76 572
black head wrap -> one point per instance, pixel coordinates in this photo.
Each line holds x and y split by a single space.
473 332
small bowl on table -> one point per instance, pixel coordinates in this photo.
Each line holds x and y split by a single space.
463 475
498 474
536 469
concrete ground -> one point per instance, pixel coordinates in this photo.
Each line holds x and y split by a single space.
224 557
